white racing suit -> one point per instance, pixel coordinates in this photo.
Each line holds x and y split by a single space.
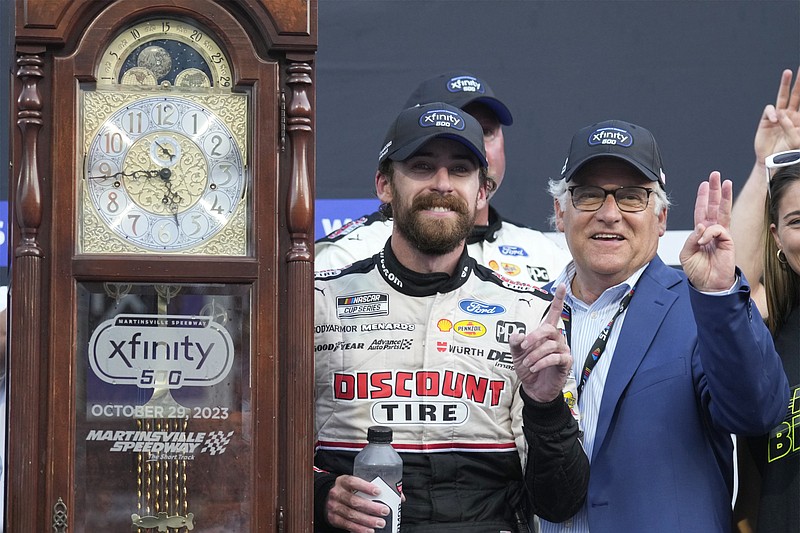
428 356
520 253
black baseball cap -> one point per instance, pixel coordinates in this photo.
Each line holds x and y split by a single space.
417 125
615 138
459 89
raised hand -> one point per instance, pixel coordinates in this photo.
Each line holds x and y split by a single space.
542 358
707 256
348 511
779 127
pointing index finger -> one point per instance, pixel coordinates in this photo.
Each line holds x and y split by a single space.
554 313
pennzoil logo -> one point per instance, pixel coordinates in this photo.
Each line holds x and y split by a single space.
511 269
469 328
359 305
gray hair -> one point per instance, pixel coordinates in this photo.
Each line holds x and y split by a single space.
558 189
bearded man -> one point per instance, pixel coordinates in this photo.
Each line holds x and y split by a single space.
467 367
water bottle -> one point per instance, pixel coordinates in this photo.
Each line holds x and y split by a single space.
380 464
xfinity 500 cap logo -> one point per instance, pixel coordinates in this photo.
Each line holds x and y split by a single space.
610 136
465 84
442 118
161 350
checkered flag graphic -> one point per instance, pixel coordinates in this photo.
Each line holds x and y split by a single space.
216 442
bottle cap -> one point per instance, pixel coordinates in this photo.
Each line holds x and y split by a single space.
379 434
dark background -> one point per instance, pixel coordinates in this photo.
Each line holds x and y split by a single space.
696 73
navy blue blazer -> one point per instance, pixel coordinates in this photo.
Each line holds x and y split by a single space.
688 371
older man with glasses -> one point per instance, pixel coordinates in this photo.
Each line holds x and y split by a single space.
669 363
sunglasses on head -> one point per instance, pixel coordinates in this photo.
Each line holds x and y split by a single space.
780 160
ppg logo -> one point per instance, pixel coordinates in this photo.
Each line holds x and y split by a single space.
538 273
504 330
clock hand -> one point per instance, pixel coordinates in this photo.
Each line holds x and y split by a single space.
165 151
136 174
171 198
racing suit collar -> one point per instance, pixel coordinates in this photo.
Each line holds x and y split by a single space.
418 284
488 232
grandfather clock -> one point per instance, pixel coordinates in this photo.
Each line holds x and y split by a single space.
161 282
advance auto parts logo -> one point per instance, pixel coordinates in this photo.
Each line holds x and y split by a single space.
170 351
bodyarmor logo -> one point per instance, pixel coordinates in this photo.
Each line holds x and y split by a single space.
442 118
614 136
466 84
161 350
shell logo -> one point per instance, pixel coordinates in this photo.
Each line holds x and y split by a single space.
470 328
493 265
444 325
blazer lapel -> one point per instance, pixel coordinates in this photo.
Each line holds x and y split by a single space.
649 306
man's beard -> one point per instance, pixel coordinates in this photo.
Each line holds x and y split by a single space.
429 235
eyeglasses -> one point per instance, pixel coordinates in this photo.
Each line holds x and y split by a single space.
780 160
591 198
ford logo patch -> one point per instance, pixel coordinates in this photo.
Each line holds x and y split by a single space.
513 250
610 136
442 118
465 84
476 307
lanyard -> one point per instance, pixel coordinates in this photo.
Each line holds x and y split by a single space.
599 345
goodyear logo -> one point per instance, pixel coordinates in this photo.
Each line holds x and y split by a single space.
614 136
442 118
516 251
469 328
477 307
465 84
359 305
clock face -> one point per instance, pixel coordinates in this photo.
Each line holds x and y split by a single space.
165 173
165 52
